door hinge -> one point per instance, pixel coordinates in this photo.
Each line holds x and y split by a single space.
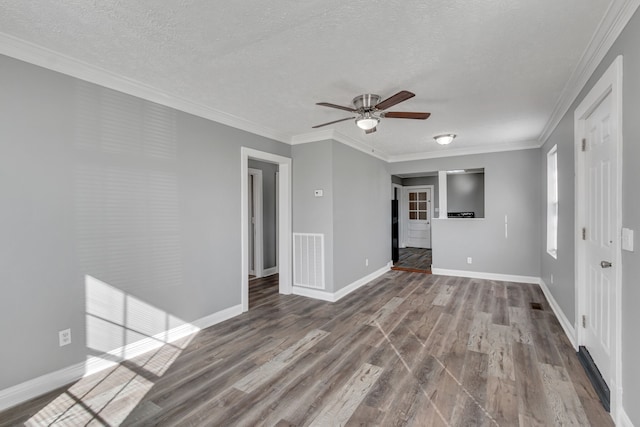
584 144
584 233
584 321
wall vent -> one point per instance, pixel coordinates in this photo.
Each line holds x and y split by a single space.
308 260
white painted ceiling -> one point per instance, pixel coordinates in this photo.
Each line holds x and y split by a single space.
490 71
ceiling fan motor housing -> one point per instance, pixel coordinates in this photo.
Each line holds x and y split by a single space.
366 102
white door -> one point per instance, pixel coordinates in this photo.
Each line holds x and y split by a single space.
419 217
599 235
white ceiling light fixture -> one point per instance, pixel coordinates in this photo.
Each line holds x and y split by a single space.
367 121
445 139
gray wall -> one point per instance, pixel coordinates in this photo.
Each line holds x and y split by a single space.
354 214
95 183
361 215
312 170
511 188
465 193
562 268
269 208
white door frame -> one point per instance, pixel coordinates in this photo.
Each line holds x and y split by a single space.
258 238
284 220
609 84
404 226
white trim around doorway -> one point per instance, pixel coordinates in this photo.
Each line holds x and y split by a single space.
284 220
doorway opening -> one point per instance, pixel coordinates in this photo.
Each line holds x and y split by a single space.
267 252
412 214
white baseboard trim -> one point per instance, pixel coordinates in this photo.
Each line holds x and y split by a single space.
341 293
568 328
313 293
218 317
22 392
269 271
487 276
623 419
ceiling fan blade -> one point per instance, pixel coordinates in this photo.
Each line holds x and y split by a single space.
405 115
372 130
330 123
403 95
339 107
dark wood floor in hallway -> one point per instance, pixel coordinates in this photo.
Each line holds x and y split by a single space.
416 260
406 349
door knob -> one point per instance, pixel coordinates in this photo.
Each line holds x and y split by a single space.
605 264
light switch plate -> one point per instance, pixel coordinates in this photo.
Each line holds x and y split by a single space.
627 239
318 193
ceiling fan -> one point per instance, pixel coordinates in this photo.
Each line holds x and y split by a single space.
369 110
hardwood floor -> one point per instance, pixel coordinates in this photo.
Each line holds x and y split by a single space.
263 290
407 349
417 260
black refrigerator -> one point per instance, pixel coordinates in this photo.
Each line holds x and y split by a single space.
395 232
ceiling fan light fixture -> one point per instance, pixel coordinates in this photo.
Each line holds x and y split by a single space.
367 122
445 139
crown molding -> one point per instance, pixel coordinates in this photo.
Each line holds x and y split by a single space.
485 149
324 135
315 136
52 60
612 24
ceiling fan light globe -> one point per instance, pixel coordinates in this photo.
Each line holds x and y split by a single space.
367 123
444 139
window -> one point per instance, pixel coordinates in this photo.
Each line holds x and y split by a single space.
418 205
552 202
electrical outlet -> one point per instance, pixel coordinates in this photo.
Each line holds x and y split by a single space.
366 262
469 260
64 337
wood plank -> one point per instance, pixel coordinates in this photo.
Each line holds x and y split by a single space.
500 313
470 404
532 403
565 405
341 407
502 401
521 326
498 346
275 365
479 333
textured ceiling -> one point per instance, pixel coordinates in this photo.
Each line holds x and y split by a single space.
490 71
